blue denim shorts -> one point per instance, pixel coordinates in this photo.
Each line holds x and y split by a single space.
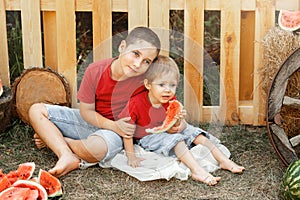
72 125
164 143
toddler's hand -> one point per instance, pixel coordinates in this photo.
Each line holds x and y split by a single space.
134 161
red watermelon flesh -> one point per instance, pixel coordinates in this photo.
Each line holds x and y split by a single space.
42 194
50 183
4 183
14 193
173 109
24 172
289 20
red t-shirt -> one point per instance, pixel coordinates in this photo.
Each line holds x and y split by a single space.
143 114
109 96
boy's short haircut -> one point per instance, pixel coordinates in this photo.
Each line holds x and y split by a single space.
162 66
145 34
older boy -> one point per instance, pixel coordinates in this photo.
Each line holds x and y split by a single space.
94 132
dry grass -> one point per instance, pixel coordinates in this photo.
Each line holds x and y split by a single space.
249 146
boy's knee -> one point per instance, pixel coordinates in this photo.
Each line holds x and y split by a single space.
37 109
97 147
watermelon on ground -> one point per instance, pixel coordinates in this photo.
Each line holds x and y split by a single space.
50 183
24 172
291 181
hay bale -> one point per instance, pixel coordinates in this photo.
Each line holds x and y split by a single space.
278 45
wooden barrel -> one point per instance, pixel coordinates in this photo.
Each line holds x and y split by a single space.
5 109
283 110
37 85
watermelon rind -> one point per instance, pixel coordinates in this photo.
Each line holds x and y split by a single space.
288 26
160 129
32 185
291 181
55 183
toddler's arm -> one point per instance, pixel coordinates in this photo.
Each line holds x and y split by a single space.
133 161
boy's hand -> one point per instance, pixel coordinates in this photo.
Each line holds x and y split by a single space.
125 129
134 161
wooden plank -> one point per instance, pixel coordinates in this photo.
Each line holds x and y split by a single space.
4 65
102 18
246 55
12 4
120 5
48 5
31 33
283 5
84 5
229 61
193 58
246 112
66 43
137 13
50 39
264 20
159 22
295 140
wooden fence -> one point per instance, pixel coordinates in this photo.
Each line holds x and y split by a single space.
243 24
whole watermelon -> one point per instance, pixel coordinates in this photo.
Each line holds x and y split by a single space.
291 181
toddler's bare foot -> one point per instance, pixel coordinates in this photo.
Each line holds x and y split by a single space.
232 167
65 164
38 141
209 179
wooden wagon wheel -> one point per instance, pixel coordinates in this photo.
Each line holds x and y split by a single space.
283 110
39 85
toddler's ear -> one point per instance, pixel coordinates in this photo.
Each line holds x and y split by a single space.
147 84
122 46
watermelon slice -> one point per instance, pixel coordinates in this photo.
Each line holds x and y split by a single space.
12 193
173 109
42 194
50 183
1 88
289 20
24 172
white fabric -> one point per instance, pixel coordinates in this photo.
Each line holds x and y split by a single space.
157 166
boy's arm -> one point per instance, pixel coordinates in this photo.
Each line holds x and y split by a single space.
121 127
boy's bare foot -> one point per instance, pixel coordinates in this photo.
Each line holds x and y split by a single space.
65 164
209 179
38 141
232 167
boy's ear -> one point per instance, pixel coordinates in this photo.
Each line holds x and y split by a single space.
147 84
122 46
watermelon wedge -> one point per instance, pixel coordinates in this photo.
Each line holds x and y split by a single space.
24 172
51 184
35 187
173 109
289 20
